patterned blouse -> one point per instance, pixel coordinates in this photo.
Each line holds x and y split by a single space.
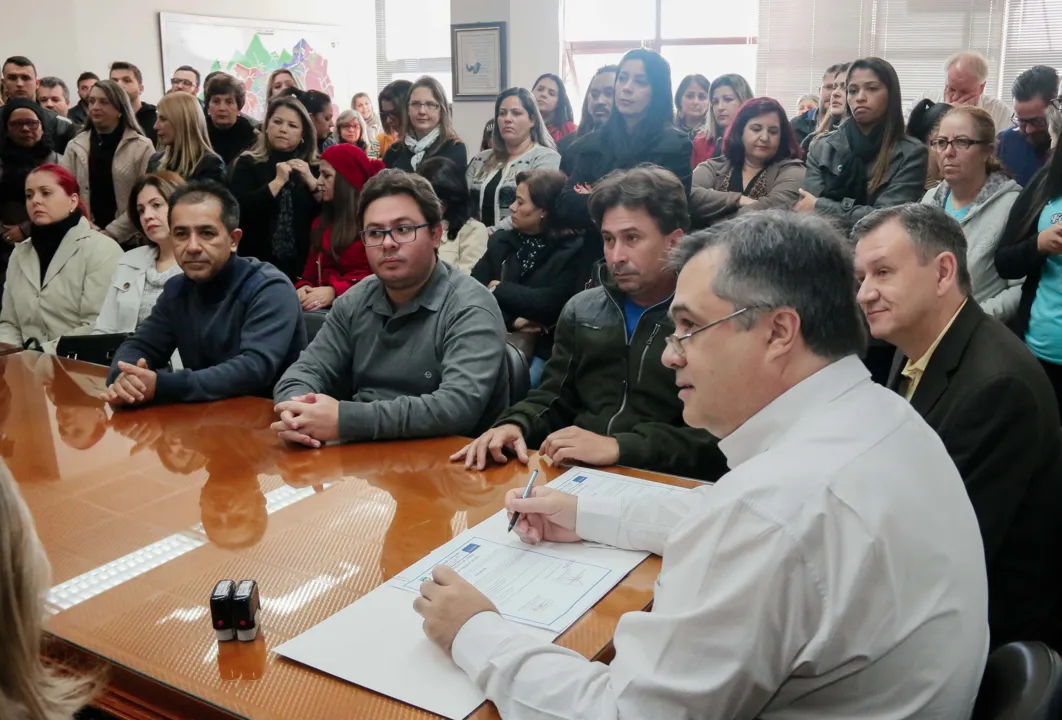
153 283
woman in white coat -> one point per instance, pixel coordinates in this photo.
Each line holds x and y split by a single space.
142 272
57 279
978 194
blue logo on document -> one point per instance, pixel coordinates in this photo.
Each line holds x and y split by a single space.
579 478
471 547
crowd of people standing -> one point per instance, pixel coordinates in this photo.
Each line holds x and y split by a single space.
201 242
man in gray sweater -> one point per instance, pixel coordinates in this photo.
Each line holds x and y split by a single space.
416 350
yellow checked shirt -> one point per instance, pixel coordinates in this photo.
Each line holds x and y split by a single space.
913 371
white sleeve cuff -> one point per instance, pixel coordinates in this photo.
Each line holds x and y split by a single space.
598 519
477 641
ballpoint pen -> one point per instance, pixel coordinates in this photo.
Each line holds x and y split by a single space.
527 494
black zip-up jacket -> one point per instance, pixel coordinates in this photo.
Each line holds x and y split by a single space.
594 156
541 294
599 381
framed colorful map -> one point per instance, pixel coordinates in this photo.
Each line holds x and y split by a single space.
317 55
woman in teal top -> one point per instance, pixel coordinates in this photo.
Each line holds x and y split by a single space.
1032 247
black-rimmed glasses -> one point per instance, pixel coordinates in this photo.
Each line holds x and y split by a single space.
401 234
960 143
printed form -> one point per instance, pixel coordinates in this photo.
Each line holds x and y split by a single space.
544 588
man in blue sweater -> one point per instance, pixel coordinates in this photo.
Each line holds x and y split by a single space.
236 321
1025 148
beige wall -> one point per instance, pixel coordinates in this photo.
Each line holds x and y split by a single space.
66 37
534 44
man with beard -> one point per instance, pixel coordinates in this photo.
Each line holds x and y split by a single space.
605 397
1025 148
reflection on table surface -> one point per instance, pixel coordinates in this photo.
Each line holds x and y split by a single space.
142 511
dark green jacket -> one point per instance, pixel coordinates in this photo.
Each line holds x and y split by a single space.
599 382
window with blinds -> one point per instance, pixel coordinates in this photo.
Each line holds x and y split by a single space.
707 38
918 36
1029 27
413 39
798 39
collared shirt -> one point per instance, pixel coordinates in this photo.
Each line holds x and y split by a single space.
819 578
433 367
913 371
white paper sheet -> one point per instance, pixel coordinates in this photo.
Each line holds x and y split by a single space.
378 642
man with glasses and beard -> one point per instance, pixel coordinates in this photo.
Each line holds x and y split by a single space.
415 350
1024 148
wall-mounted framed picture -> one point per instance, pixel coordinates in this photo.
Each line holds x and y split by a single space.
478 56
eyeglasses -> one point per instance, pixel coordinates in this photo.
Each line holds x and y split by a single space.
419 105
24 124
1036 122
675 341
388 113
182 82
401 234
960 143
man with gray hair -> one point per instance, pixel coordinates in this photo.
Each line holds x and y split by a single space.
987 397
818 578
965 75
54 95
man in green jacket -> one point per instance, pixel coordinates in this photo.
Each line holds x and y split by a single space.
605 397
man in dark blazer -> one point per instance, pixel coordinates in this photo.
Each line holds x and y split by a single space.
987 397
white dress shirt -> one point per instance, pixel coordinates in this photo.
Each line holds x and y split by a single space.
836 571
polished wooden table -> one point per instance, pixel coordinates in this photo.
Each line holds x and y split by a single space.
142 511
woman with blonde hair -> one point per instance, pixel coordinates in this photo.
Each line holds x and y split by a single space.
727 94
274 183
182 131
29 689
427 129
351 129
362 104
279 80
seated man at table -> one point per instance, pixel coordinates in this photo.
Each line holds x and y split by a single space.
605 399
415 350
835 572
982 390
236 321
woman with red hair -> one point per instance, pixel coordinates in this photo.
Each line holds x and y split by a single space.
58 278
760 167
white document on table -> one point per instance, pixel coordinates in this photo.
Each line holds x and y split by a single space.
378 643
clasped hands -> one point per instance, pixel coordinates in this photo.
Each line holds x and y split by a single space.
310 420
316 298
448 601
134 386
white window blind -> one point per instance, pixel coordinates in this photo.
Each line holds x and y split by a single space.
799 39
412 39
1030 29
918 36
